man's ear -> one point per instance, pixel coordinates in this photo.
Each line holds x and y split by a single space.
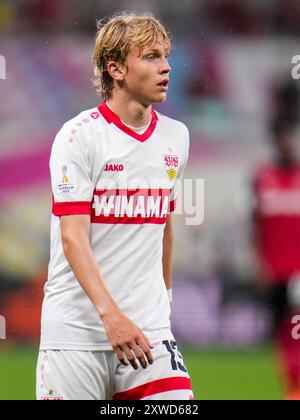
116 70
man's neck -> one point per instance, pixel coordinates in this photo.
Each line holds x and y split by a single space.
131 112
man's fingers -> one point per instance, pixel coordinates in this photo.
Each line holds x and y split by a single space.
138 349
139 354
151 346
145 346
130 356
120 354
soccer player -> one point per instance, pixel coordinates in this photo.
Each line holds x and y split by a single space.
115 173
277 243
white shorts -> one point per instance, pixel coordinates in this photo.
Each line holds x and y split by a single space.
98 375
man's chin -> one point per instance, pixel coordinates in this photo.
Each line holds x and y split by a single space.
157 99
160 99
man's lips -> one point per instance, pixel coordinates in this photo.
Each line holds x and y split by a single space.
164 82
163 85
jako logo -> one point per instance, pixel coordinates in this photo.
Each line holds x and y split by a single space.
296 329
296 69
115 167
2 328
2 67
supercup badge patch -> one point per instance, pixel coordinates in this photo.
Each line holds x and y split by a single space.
67 181
171 163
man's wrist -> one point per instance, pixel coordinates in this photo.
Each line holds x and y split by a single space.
107 311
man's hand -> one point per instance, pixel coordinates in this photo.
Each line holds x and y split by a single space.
127 340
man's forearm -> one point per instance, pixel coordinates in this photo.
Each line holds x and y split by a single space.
86 270
168 245
127 340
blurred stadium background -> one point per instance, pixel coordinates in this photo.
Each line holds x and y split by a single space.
231 72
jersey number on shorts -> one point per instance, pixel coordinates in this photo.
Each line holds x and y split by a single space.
176 364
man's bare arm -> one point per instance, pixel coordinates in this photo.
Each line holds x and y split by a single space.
125 337
168 245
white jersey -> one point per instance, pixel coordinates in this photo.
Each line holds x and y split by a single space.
127 182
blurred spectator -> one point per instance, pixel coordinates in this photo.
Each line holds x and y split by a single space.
224 17
276 222
41 14
235 17
7 14
206 81
286 17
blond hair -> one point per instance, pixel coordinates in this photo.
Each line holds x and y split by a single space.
116 37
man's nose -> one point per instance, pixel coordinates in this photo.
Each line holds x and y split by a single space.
166 68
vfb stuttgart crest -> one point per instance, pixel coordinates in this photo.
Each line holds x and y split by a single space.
171 164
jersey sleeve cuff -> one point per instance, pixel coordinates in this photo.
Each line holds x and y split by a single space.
71 208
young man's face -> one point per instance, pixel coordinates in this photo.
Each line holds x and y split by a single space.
147 74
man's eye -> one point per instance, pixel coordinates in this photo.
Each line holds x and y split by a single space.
150 57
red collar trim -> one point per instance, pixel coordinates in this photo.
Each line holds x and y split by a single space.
111 117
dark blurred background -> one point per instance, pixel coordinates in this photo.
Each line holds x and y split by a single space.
231 79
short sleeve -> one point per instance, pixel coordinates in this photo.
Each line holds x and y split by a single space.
72 187
179 176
